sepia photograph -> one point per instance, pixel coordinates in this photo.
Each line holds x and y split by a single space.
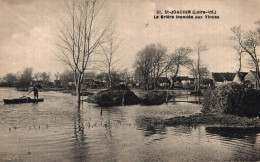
129 80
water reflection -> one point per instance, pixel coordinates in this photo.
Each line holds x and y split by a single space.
57 130
246 134
150 126
80 146
244 142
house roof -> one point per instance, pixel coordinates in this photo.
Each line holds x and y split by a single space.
221 77
57 81
242 75
206 81
251 76
163 79
182 78
253 72
70 80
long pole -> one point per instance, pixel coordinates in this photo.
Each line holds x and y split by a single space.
198 70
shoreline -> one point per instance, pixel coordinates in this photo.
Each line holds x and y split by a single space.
215 119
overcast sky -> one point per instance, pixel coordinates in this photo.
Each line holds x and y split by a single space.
28 31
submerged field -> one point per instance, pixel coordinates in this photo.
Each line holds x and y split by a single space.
57 130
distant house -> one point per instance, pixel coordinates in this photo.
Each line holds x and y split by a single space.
88 82
57 82
42 83
139 82
220 78
207 82
163 82
92 83
183 79
191 81
180 81
71 82
3 83
131 82
250 79
39 83
240 77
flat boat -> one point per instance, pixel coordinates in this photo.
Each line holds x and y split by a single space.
22 100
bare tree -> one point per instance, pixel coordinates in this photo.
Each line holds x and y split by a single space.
37 75
45 77
10 79
66 76
57 75
81 33
162 63
239 53
203 71
109 51
152 62
199 48
26 79
249 41
143 64
181 58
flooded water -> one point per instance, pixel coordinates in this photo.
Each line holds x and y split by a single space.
56 130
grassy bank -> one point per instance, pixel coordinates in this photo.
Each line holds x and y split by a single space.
214 119
228 105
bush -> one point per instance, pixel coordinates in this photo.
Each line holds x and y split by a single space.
232 98
114 96
154 98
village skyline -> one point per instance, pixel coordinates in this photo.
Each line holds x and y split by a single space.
129 80
28 32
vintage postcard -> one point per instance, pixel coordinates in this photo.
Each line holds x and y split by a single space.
129 80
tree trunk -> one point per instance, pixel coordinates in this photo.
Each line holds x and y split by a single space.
198 72
257 75
240 63
109 77
157 83
78 89
177 70
147 83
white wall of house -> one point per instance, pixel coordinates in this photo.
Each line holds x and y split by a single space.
237 79
251 78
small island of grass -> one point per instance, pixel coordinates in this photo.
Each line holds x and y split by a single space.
229 105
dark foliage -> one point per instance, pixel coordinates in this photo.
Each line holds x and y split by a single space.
216 119
119 87
154 98
114 96
232 98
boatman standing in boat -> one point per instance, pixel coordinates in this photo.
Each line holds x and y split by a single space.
35 92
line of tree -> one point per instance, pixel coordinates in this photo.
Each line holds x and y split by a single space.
19 80
24 79
153 61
